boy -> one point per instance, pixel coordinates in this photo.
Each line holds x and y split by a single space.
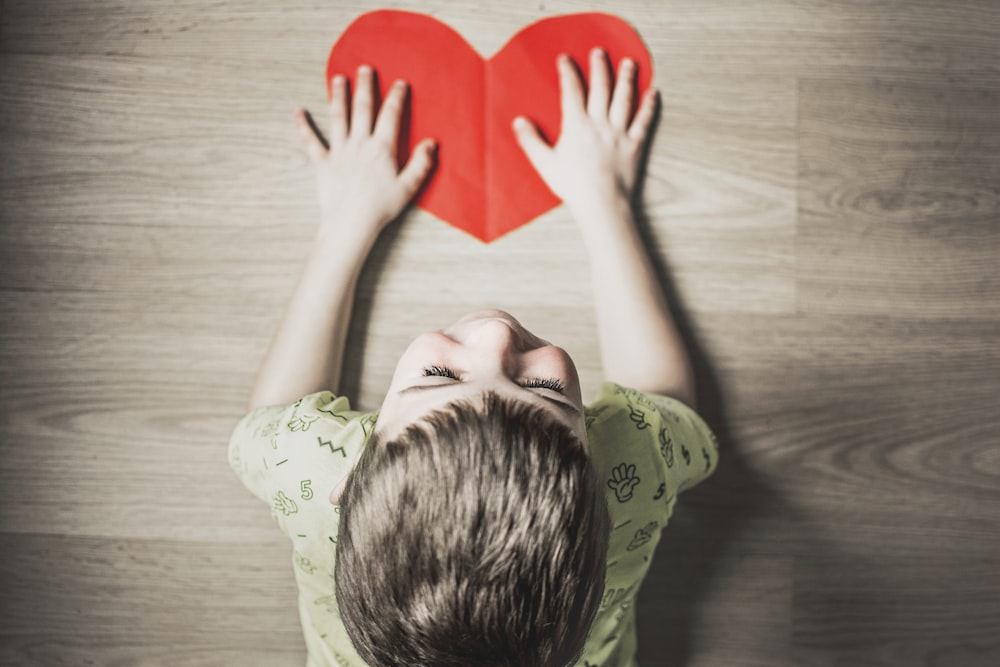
485 515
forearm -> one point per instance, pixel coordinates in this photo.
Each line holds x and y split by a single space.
639 342
307 350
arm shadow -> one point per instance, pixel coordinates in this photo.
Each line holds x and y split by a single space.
708 519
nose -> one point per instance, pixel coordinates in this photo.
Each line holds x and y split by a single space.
497 340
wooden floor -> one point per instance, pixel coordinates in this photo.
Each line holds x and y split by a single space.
824 191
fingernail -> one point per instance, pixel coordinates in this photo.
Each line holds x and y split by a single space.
337 80
364 69
628 63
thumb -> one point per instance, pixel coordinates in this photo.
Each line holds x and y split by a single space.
313 144
417 168
531 142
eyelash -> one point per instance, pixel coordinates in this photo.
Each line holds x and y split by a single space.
545 383
440 371
531 383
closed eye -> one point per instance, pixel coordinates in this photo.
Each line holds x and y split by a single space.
440 371
544 383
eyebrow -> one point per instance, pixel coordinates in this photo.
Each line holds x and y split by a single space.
565 406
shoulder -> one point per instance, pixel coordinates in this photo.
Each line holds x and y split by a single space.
319 431
624 421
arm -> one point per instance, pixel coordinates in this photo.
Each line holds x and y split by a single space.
593 168
361 190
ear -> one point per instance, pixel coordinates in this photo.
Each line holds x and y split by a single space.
338 491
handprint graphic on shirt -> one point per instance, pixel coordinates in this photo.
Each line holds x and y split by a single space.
623 481
284 504
300 423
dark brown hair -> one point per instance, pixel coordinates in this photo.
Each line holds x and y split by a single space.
477 537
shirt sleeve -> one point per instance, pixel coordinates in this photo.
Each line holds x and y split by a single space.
320 431
687 446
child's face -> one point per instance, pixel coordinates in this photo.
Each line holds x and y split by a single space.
484 351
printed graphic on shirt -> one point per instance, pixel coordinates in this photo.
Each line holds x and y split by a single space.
368 423
304 563
667 447
636 402
300 423
623 481
642 536
329 443
638 418
284 504
336 415
269 429
616 596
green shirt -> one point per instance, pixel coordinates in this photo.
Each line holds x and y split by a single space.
648 448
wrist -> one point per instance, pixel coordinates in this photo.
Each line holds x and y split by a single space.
603 218
340 253
345 236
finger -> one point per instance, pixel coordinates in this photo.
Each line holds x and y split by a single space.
313 143
621 101
387 123
339 121
570 87
417 168
639 129
364 100
599 91
531 142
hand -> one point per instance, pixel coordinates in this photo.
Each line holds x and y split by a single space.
595 162
358 182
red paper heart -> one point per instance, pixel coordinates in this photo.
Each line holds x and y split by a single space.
482 183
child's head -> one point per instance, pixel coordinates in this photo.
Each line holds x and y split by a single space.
474 529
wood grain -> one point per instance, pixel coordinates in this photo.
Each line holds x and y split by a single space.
822 197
